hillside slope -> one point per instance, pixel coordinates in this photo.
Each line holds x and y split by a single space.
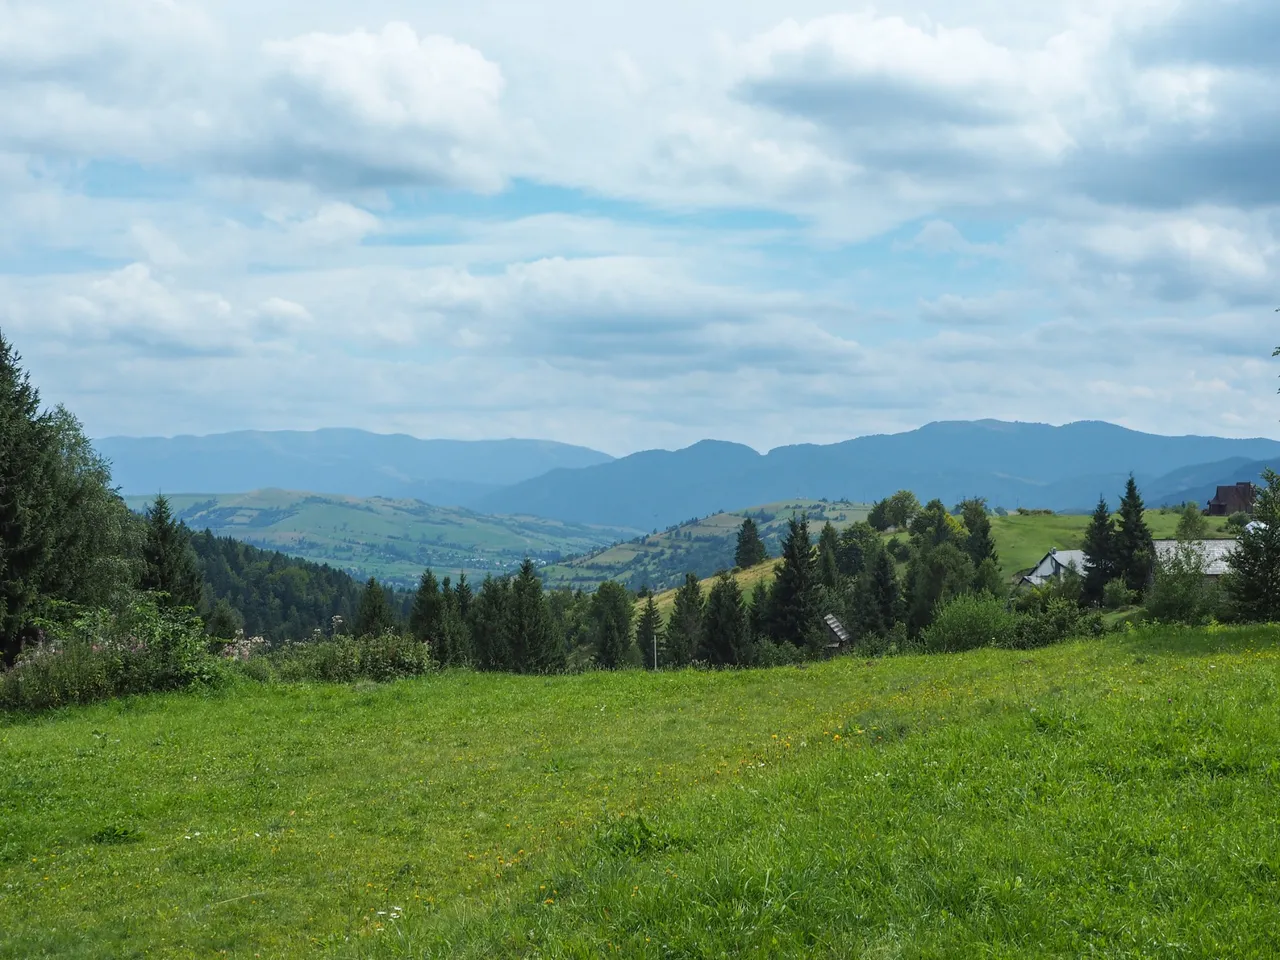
348 462
1100 798
394 540
1011 464
703 546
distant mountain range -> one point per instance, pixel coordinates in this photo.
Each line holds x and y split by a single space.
352 463
1011 464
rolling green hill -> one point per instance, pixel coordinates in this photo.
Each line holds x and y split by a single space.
393 540
1021 541
1104 798
702 546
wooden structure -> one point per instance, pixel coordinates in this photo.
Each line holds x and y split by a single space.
838 637
1232 499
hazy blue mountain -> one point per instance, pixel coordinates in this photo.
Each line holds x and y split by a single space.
1011 464
348 462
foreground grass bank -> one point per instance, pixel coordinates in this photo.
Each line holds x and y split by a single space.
1114 797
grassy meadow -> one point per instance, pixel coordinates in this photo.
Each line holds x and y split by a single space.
1114 797
393 540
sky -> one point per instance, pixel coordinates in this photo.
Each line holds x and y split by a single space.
634 225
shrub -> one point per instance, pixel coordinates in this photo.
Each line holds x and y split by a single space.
386 656
1179 592
967 622
1116 594
1058 620
88 655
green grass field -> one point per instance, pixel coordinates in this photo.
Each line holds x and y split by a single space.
1113 798
394 540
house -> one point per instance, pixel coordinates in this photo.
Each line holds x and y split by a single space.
1053 566
1057 562
1232 499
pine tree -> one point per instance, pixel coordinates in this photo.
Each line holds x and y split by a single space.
685 626
27 501
172 570
490 623
828 552
1252 584
374 616
224 621
534 645
1134 551
453 636
648 631
751 549
794 599
427 614
612 610
464 595
726 637
978 543
875 597
1099 552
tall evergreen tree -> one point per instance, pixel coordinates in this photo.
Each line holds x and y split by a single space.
1099 552
726 637
794 600
1134 551
751 549
684 628
875 597
453 636
612 610
648 632
374 616
464 595
828 554
426 617
490 623
978 542
534 644
1252 584
27 501
171 566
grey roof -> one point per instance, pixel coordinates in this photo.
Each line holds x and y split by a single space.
1215 553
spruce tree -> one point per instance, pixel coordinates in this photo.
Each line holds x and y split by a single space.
27 503
490 623
534 644
453 636
172 571
648 632
874 604
1252 584
828 553
612 610
1134 551
726 636
751 549
374 617
427 614
684 628
1099 552
794 599
464 595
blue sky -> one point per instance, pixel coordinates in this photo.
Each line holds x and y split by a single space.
639 225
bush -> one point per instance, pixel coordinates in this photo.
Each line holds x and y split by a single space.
1116 594
88 655
1058 620
386 656
967 622
1180 592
